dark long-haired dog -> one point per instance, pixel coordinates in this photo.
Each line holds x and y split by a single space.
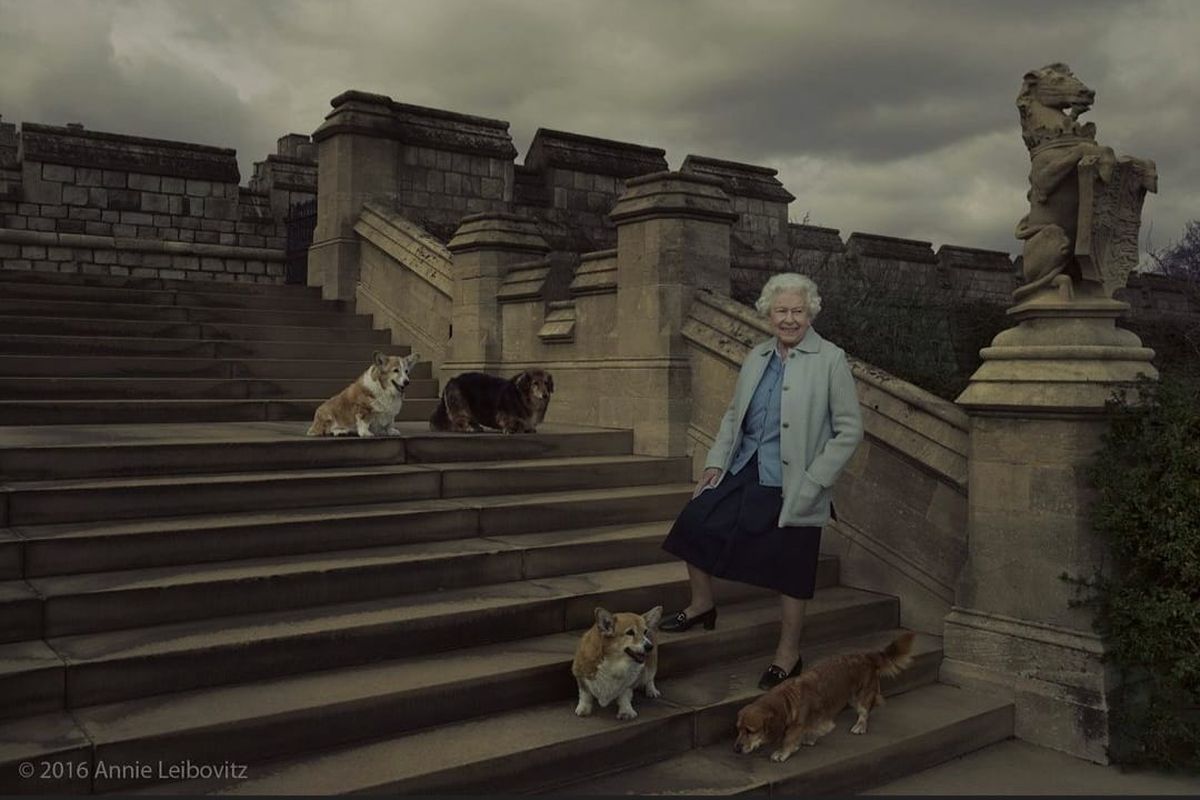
473 401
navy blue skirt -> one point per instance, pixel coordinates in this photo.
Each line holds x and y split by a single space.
731 532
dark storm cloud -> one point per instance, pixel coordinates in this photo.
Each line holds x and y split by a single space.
894 117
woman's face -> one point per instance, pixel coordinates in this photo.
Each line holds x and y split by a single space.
789 318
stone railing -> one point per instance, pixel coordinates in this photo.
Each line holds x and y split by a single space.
406 281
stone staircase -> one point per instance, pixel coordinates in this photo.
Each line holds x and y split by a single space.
186 579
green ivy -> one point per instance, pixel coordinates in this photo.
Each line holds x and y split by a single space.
1148 605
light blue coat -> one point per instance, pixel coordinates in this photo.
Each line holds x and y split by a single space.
821 424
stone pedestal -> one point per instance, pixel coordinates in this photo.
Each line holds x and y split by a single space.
672 239
484 247
1036 407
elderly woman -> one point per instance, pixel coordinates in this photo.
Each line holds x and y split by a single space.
757 512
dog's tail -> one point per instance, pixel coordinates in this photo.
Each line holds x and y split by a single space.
896 656
439 420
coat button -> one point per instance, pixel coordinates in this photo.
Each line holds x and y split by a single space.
785 388
785 424
785 463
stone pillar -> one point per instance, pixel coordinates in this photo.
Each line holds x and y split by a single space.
672 239
1036 407
357 159
483 248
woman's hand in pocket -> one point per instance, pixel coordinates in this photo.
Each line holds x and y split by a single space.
708 479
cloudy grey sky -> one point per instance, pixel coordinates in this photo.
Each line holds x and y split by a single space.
891 116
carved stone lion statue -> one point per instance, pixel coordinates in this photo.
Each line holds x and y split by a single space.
1050 103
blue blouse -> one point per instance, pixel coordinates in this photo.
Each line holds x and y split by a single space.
761 426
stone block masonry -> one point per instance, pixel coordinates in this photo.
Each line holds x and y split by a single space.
104 203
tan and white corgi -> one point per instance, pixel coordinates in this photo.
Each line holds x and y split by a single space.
368 406
617 655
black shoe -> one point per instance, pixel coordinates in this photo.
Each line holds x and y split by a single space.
680 622
774 675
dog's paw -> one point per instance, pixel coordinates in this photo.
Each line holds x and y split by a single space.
393 431
626 713
652 691
860 727
583 710
781 755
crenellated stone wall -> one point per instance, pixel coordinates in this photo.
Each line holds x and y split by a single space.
288 176
758 242
103 203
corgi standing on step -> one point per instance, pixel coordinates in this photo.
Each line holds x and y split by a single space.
368 406
614 657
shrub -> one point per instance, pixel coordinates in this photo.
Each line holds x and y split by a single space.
1148 605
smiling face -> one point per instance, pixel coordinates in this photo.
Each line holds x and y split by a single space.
392 371
628 633
789 317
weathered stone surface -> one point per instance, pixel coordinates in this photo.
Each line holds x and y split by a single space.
117 152
870 245
377 115
742 180
577 155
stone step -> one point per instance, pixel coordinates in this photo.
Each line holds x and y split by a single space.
56 747
197 295
63 452
147 367
17 277
76 412
122 665
247 316
94 602
81 389
20 612
255 722
102 499
79 346
32 677
159 329
911 732
81 547
541 747
11 556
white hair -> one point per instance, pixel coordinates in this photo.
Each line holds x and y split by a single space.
789 282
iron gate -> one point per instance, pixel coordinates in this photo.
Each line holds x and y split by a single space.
301 221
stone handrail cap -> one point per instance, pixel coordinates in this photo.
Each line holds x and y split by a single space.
498 230
673 194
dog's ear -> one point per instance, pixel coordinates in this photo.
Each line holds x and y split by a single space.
522 380
605 621
653 617
411 359
380 359
549 383
775 718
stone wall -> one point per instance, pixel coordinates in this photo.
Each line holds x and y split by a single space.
103 203
759 239
570 182
287 177
908 266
